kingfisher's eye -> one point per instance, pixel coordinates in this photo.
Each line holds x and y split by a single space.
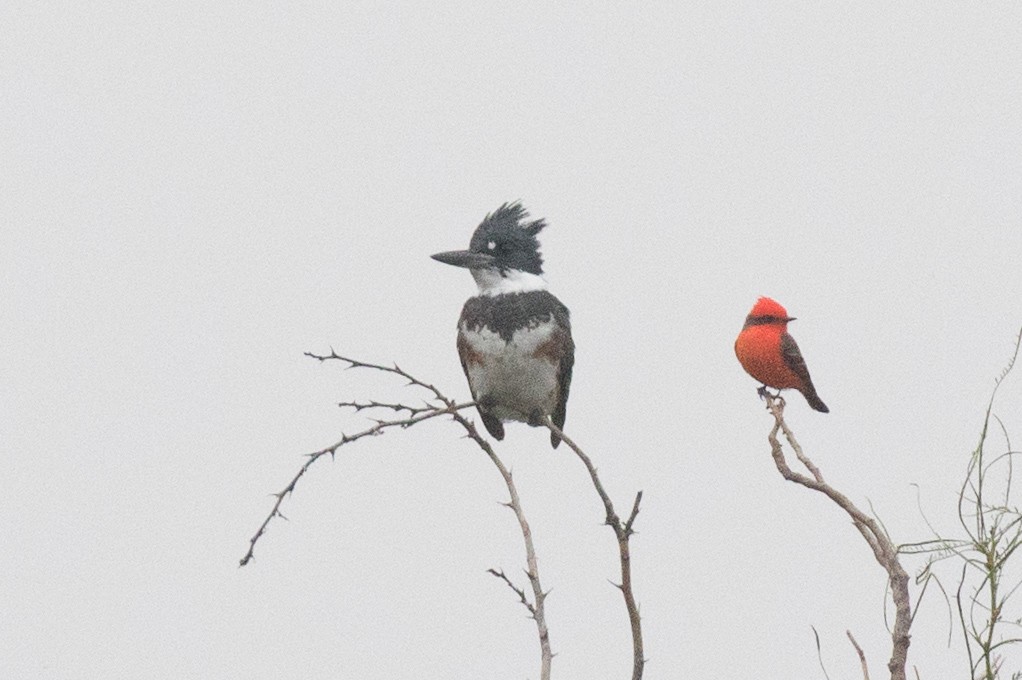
491 245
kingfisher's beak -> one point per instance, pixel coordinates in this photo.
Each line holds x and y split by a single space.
465 258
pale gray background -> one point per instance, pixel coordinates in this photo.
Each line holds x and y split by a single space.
193 194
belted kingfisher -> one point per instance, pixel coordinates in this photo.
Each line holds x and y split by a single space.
514 337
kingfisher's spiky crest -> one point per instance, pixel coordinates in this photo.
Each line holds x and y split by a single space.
510 237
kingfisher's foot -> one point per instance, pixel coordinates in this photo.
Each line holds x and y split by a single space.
535 418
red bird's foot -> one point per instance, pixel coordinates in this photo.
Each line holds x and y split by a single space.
763 393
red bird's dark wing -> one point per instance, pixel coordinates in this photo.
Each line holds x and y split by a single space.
793 360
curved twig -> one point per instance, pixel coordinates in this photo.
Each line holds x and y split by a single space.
862 655
623 531
537 609
376 429
885 552
416 414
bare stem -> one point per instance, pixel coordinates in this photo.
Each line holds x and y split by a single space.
376 429
862 656
885 552
441 405
623 531
538 607
522 597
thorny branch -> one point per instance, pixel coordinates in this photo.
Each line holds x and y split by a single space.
885 552
378 428
438 405
517 591
398 408
538 608
623 531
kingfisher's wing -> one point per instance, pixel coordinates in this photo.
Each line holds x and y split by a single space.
793 360
565 364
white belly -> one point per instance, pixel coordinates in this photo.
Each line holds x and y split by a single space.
518 382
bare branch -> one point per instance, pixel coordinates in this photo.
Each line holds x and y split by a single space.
885 552
396 370
633 515
376 429
819 653
623 531
862 656
411 410
416 414
518 591
538 607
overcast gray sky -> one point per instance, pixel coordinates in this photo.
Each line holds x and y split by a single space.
193 194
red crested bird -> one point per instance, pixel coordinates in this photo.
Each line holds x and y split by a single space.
770 355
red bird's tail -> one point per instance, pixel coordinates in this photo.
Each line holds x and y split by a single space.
814 400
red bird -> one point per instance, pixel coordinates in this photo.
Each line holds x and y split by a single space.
770 355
